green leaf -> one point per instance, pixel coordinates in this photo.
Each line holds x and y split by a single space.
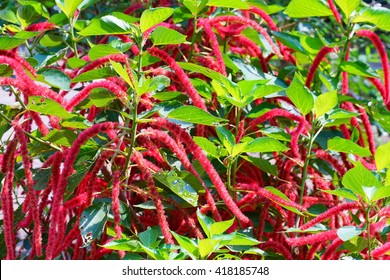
187 244
195 6
95 74
284 197
382 156
325 102
236 4
42 178
122 71
207 146
92 221
193 114
378 16
226 137
9 42
151 17
27 15
68 6
205 222
8 15
348 6
260 145
342 145
300 95
358 177
308 8
262 164
290 41
220 227
348 232
148 237
178 186
207 246
47 106
108 25
358 68
124 245
61 137
153 253
99 51
56 78
201 69
381 193
166 36
343 193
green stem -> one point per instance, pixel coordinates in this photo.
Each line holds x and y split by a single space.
193 37
368 231
72 37
133 132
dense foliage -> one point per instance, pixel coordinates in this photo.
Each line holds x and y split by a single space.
194 129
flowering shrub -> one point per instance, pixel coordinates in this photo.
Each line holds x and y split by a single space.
194 129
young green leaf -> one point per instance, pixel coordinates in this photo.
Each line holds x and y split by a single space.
166 36
47 107
220 227
193 114
207 246
151 17
148 237
99 51
195 6
358 68
300 96
226 137
237 4
308 8
205 222
56 78
107 25
348 232
342 145
343 193
188 245
378 16
348 6
358 177
382 156
325 102
68 6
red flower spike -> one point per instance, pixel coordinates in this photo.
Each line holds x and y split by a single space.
251 23
384 58
214 43
334 11
208 167
33 203
329 213
313 238
194 95
313 68
162 220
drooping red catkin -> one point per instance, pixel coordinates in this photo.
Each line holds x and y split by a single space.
8 156
329 213
312 238
384 58
114 88
316 62
162 220
251 23
7 203
329 252
115 207
103 60
312 251
334 11
214 44
21 61
278 247
56 222
40 124
194 95
321 154
180 152
381 250
40 26
208 167
33 203
265 17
